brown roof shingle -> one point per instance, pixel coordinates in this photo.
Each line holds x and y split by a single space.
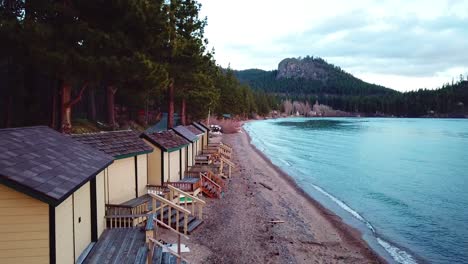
184 132
167 140
200 127
46 164
194 130
115 143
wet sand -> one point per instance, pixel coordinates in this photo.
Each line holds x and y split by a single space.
237 228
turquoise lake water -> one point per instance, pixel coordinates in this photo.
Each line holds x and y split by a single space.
402 182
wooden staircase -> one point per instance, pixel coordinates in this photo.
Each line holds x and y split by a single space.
209 187
179 210
155 254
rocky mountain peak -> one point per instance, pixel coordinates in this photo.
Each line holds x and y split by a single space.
305 68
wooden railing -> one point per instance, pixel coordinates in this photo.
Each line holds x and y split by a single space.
192 174
118 209
196 204
163 190
124 221
204 178
164 203
215 178
152 241
225 153
230 165
184 186
157 189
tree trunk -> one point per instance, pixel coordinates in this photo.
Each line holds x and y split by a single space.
170 114
111 105
66 104
65 122
182 114
92 105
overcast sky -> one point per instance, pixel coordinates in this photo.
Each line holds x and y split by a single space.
404 45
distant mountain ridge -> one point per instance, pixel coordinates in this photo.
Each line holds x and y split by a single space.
313 79
309 76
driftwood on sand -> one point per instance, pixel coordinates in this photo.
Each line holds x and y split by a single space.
266 186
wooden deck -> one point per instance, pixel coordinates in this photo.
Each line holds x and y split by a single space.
120 245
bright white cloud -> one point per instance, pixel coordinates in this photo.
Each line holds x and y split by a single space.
401 44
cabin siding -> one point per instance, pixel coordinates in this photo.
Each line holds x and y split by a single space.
24 228
200 146
100 203
142 165
190 155
82 218
205 140
64 251
184 160
174 166
121 180
166 168
154 166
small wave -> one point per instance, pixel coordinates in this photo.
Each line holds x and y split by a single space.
345 207
286 162
397 254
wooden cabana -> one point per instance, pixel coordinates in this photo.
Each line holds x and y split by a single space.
166 163
205 130
127 177
199 134
192 138
51 196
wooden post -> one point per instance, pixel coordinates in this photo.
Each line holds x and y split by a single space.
151 251
178 248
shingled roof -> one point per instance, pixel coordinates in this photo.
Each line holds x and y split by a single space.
167 140
194 130
118 144
45 164
204 125
199 127
184 132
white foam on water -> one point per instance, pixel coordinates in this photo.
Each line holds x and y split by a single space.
345 207
286 162
397 254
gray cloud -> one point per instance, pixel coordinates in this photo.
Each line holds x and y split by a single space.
410 46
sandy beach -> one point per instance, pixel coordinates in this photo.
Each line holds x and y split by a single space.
238 227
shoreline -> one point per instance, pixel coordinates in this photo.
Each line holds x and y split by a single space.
351 233
264 217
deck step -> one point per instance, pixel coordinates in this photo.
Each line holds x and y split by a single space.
194 225
141 255
157 255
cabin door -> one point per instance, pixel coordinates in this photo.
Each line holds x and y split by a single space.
82 219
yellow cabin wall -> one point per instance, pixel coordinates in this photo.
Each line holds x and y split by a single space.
190 155
73 221
166 166
200 146
24 228
100 203
82 218
184 160
121 180
64 251
174 166
142 165
205 139
154 165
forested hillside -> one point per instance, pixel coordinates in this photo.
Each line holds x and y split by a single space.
111 63
311 79
309 76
